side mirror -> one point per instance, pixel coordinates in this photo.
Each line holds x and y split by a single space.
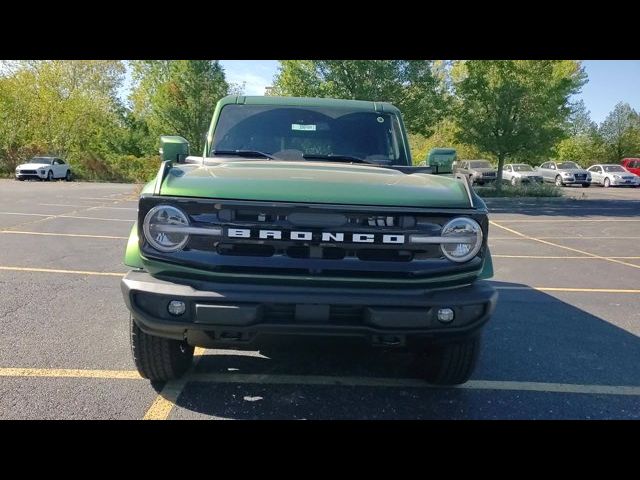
173 148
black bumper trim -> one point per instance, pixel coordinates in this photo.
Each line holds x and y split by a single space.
235 311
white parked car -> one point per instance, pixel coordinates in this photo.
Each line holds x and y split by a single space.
515 173
611 175
44 168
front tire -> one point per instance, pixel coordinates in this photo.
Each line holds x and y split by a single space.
514 182
159 359
68 177
606 183
559 181
453 363
50 176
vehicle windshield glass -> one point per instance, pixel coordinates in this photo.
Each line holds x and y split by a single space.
613 168
295 132
566 165
480 164
522 168
40 160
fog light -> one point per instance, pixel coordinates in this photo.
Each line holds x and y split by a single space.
445 315
176 307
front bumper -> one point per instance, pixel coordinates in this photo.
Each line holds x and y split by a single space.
221 314
30 175
574 181
618 182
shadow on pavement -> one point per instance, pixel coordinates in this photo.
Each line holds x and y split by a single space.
533 337
566 207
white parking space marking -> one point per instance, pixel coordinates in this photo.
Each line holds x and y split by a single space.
27 214
112 208
566 238
570 290
95 218
555 220
549 257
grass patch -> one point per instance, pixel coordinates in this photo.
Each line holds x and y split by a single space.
531 190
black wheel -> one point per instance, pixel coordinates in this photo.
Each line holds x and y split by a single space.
559 181
606 183
514 182
159 359
68 177
452 364
50 176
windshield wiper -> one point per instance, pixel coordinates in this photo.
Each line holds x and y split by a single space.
338 158
243 153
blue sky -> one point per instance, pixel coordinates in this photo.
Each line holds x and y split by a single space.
610 82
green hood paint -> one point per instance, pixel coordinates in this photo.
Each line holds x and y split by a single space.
314 182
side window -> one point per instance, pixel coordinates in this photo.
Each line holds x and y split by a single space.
56 161
635 164
552 166
544 165
507 168
598 169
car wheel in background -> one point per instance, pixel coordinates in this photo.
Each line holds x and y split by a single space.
68 177
607 183
514 181
559 181
50 176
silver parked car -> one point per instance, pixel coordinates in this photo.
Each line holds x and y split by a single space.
478 171
610 175
515 173
564 173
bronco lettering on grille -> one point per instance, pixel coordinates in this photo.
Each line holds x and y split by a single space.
306 236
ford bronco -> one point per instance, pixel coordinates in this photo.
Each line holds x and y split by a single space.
305 216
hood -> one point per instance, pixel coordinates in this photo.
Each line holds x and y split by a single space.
572 170
314 182
33 166
528 174
490 169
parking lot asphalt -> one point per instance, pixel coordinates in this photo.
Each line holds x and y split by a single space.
563 343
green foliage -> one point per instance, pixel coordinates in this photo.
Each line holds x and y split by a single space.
444 136
520 190
177 97
620 133
514 108
409 84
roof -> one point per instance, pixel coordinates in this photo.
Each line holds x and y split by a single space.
362 105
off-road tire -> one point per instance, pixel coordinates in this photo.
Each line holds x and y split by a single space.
159 359
453 363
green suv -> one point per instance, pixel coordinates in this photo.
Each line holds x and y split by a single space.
305 216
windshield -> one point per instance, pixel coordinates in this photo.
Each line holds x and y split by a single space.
480 164
522 168
318 133
568 165
613 168
40 160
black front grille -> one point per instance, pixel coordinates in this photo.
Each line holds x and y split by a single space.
28 172
580 176
312 256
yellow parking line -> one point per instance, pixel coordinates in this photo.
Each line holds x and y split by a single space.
568 289
51 270
27 214
558 257
161 407
608 259
63 234
571 220
410 382
69 373
95 218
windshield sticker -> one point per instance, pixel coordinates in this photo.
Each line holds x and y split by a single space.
306 128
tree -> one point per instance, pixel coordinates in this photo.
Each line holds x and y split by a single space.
444 136
511 108
579 121
177 96
621 132
409 84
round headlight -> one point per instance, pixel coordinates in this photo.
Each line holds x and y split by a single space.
463 228
162 227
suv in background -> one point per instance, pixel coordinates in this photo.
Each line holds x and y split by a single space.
44 168
564 173
631 164
478 171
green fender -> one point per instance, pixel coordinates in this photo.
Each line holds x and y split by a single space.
132 253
